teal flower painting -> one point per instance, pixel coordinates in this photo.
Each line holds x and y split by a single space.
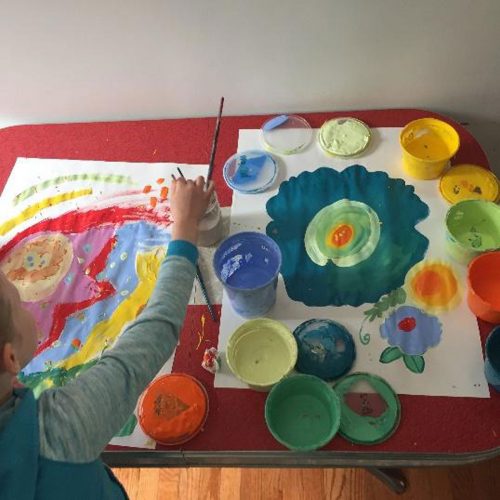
347 238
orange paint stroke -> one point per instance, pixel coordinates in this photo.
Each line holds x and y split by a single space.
161 180
146 189
164 193
201 333
153 201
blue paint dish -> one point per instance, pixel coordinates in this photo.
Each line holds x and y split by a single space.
326 348
492 361
248 264
250 171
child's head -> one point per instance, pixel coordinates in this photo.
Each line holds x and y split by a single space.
18 331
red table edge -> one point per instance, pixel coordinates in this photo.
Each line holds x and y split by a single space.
77 148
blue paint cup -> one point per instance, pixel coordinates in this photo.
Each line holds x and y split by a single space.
492 358
248 265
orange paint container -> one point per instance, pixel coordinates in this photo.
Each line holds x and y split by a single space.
173 409
484 287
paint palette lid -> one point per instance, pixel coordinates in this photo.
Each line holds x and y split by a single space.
469 182
286 134
370 408
303 412
344 136
326 349
250 171
173 409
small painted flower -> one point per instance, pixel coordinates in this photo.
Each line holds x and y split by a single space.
412 330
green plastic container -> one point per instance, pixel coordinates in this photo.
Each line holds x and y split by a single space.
472 228
303 412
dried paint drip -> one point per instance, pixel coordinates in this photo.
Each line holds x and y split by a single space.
201 332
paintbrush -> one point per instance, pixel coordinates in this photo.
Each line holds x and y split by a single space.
214 141
199 276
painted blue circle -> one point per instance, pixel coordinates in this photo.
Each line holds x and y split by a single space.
250 171
326 348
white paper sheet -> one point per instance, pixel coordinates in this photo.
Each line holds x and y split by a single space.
454 367
29 172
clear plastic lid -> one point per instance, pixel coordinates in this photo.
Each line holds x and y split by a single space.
250 171
286 134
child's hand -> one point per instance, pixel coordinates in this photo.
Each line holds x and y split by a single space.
188 203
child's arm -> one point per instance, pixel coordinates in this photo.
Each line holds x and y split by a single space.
78 420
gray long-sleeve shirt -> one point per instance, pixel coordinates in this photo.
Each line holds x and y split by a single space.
78 420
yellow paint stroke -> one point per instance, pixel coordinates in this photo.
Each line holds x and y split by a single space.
32 210
147 267
201 333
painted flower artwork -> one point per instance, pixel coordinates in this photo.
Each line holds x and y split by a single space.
410 332
347 238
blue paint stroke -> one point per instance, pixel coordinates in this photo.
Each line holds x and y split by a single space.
131 238
399 248
412 330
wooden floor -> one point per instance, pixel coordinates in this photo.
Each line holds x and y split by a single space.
477 482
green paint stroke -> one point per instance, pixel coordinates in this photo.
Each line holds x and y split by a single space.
396 297
128 428
54 377
95 177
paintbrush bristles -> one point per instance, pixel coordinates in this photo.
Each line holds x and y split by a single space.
214 142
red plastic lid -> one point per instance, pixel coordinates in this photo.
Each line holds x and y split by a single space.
173 409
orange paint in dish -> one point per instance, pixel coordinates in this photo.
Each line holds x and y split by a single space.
173 409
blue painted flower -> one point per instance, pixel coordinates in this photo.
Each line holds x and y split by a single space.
412 330
346 238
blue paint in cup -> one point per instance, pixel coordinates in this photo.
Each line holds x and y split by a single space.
248 265
492 358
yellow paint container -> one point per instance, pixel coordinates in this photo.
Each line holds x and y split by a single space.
469 182
428 145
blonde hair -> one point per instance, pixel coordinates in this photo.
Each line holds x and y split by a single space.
6 325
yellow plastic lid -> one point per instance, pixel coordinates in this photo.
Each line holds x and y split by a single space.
469 182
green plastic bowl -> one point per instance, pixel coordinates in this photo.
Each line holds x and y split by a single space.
303 412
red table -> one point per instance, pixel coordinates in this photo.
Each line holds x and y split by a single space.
433 430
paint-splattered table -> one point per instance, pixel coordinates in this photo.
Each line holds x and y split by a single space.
433 430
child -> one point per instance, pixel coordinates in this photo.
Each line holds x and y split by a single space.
50 448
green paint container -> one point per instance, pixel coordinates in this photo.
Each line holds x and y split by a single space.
303 412
472 228
261 352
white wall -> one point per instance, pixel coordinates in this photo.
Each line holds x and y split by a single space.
73 60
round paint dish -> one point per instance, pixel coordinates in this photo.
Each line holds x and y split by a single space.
370 408
286 134
469 182
472 228
303 412
326 348
261 352
173 409
344 137
484 287
250 171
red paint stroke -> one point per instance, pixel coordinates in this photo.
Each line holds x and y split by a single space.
78 221
63 311
407 324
